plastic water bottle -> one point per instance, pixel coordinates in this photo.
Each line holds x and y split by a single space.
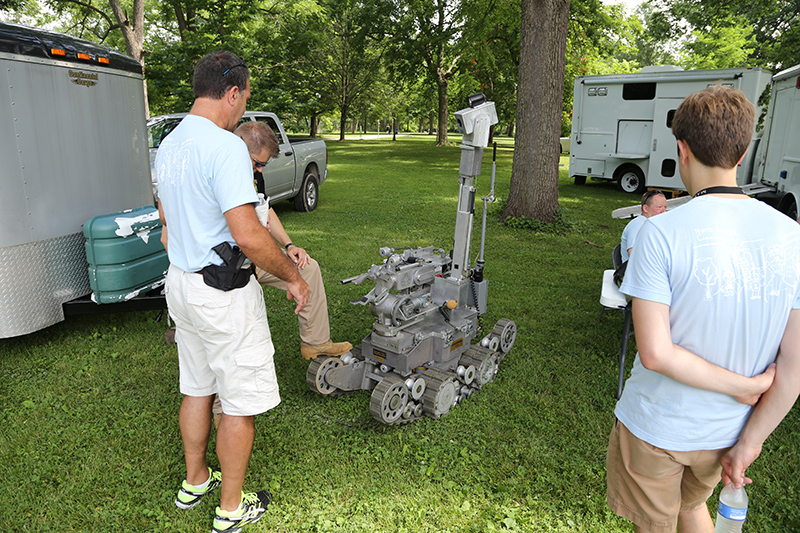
732 509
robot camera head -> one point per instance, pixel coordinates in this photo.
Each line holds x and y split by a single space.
475 122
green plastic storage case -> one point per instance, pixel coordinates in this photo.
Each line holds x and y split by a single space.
125 254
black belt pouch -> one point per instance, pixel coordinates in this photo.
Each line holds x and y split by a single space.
229 275
225 278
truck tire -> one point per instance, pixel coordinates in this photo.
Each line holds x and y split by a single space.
580 180
308 197
630 179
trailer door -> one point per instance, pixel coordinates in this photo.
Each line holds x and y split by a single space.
663 170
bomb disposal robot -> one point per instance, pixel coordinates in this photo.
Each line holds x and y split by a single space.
419 359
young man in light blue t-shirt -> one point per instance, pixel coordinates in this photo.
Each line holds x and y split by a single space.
715 287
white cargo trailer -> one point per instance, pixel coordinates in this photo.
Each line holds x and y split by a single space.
73 144
778 161
621 123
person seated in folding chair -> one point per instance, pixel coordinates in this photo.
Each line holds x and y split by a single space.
653 203
314 325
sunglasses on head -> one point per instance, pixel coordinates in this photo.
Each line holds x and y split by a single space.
240 64
649 194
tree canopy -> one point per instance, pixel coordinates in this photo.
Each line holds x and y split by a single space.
345 65
326 60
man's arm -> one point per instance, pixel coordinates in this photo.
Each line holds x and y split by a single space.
163 226
275 228
773 407
659 354
261 249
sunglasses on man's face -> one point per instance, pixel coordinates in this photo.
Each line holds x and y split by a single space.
258 163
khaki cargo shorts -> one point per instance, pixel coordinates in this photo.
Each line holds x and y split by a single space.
650 486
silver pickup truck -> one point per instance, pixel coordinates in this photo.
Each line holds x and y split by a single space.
294 174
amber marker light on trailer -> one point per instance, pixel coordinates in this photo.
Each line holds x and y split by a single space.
103 60
58 52
83 56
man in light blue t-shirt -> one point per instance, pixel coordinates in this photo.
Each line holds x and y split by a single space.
716 298
207 203
653 203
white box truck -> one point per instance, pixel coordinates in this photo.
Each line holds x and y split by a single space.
73 145
621 123
778 159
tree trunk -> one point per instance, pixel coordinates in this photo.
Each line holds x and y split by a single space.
533 190
133 33
441 129
510 130
313 125
342 122
186 20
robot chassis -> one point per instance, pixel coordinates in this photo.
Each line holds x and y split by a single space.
419 358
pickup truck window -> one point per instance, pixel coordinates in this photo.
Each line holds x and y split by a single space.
157 132
271 123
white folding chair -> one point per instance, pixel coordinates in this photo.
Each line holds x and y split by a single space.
612 298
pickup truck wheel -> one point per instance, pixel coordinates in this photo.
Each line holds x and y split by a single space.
308 197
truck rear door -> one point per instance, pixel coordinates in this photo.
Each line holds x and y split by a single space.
663 170
783 159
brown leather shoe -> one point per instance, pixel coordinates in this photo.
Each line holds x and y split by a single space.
332 349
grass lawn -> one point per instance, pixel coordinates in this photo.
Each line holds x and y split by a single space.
89 437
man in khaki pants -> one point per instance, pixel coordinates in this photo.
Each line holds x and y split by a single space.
314 325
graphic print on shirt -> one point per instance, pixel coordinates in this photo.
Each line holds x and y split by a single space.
724 265
173 162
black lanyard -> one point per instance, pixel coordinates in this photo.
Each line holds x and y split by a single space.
720 189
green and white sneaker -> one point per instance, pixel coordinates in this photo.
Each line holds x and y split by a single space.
254 504
189 495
